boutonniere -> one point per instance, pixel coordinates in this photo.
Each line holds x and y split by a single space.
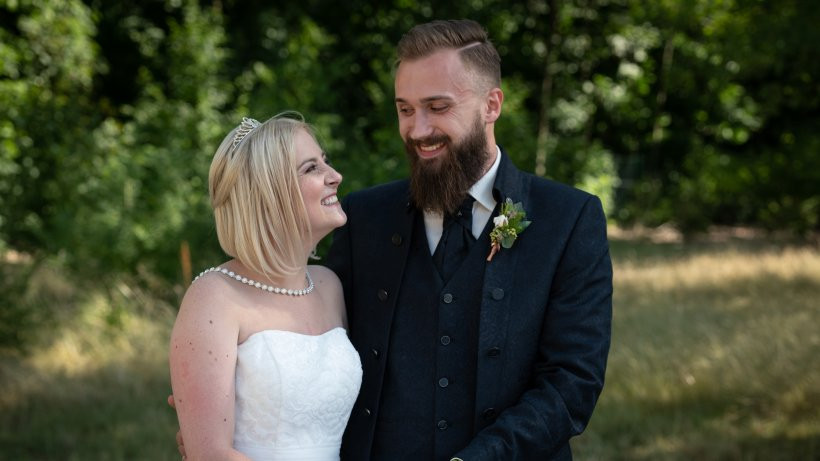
508 224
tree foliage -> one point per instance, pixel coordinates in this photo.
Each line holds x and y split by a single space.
683 112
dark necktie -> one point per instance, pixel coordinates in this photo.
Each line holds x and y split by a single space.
456 239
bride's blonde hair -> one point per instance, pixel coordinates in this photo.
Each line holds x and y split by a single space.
260 216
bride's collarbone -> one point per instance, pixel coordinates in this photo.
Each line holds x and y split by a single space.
296 319
272 301
302 310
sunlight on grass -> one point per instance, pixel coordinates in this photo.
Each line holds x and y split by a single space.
94 386
719 267
103 334
99 336
715 355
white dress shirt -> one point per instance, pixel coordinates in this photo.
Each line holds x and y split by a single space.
482 192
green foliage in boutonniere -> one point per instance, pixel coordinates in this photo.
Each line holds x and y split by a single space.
508 225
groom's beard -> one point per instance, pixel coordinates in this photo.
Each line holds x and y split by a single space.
441 184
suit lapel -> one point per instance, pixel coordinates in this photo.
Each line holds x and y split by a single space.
499 275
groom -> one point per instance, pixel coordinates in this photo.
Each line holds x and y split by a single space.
466 356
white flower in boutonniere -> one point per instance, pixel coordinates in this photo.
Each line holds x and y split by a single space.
500 220
511 222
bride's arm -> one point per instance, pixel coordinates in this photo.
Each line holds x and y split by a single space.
202 357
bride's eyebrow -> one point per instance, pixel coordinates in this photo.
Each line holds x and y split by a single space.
311 159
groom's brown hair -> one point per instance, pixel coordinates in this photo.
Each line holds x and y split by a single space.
476 51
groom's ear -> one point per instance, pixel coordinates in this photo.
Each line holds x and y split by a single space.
492 105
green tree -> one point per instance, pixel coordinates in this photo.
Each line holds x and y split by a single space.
48 59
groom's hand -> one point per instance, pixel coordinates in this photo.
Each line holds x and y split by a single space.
180 444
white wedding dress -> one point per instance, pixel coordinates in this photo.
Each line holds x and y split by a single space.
294 394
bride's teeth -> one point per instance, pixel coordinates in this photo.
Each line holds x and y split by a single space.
330 200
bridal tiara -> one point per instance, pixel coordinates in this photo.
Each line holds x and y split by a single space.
247 125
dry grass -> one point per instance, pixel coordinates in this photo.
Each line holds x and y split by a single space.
93 384
715 356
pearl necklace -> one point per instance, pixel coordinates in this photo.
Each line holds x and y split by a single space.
262 286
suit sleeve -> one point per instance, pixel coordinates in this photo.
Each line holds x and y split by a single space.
568 373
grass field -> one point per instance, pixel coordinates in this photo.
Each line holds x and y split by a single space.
715 356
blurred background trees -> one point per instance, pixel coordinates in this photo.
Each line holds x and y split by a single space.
677 113
689 113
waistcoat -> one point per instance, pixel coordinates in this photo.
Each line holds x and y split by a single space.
428 397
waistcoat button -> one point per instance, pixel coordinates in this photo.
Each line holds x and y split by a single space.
396 239
493 352
382 295
498 294
448 298
443 382
442 424
445 340
489 413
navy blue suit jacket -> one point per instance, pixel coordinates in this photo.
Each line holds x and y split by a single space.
545 315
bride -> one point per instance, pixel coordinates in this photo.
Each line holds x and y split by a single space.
261 365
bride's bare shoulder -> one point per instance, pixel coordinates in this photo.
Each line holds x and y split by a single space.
210 291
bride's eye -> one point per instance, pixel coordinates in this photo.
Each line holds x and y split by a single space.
309 169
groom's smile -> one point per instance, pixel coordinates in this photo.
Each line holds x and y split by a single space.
430 147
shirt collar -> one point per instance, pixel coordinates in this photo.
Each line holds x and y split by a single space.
482 190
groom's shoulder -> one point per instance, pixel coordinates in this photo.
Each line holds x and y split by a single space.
542 190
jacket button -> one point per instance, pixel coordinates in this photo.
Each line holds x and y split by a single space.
445 340
367 411
442 424
498 294
382 295
448 298
375 353
443 382
493 352
489 413
396 239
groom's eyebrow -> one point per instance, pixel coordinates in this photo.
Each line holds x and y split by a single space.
437 97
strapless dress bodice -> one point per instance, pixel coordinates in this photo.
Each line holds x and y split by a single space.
294 394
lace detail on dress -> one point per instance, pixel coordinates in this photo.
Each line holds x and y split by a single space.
294 394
